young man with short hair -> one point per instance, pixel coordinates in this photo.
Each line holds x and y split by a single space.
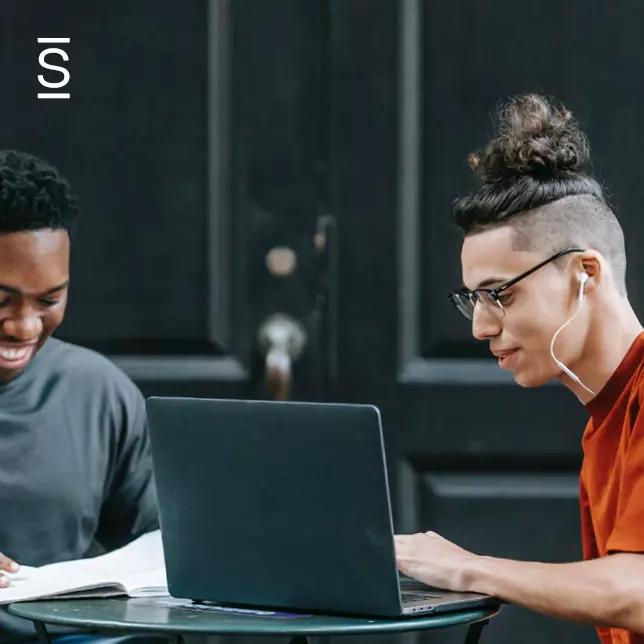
544 264
75 465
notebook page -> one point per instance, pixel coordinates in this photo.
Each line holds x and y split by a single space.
137 566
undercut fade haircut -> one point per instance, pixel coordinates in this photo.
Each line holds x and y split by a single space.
535 178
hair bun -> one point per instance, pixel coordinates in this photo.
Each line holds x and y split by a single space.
534 138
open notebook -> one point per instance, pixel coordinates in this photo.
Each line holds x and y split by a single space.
137 570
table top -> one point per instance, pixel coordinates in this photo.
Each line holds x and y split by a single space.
168 615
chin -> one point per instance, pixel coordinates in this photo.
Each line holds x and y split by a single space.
7 375
529 379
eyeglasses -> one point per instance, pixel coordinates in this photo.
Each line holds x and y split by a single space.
490 298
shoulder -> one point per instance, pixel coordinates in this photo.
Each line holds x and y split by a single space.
85 371
635 402
637 392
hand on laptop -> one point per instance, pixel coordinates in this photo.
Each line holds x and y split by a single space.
433 560
6 565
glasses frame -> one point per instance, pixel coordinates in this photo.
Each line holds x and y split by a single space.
495 293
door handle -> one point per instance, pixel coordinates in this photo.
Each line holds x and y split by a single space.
282 340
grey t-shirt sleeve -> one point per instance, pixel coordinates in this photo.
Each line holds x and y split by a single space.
129 508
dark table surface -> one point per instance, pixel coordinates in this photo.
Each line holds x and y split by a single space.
169 615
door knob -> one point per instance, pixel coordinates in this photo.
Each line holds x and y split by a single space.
282 340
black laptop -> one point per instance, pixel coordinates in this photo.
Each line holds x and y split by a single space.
282 505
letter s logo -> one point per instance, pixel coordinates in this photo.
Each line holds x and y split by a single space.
46 65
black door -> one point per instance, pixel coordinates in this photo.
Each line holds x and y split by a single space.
477 459
280 169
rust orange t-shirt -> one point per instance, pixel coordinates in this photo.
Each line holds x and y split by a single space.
612 473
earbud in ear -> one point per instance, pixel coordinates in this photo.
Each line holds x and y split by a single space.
583 278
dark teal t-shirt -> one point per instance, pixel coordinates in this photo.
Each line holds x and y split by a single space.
75 466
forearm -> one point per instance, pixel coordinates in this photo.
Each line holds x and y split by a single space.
603 592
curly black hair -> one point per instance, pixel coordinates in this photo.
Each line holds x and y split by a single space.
33 195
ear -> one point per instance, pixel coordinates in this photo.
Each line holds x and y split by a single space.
594 265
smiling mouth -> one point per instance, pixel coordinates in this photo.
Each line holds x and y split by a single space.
503 356
16 354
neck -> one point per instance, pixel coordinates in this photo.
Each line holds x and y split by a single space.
611 338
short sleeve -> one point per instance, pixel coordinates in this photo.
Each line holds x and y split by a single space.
628 533
588 540
130 507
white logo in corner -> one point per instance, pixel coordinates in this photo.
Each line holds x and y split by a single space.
42 59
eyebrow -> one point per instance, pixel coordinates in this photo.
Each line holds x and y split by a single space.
490 281
16 291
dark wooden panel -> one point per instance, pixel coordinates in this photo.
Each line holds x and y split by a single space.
530 516
398 250
474 57
479 421
196 146
133 142
279 103
363 162
506 506
279 95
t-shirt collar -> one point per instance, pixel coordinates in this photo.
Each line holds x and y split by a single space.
599 407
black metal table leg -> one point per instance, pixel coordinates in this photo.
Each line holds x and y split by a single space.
474 632
41 632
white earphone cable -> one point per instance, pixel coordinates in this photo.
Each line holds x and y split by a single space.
583 278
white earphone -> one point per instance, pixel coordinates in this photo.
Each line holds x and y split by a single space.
583 278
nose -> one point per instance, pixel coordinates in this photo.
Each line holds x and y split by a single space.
485 325
23 328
